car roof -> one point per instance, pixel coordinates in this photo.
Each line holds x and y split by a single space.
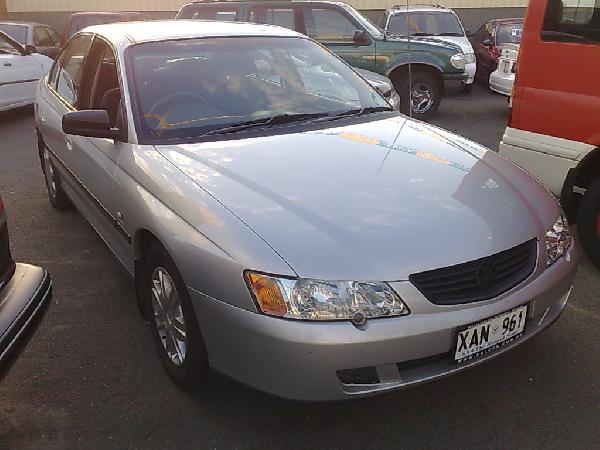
216 2
501 21
106 13
164 30
18 22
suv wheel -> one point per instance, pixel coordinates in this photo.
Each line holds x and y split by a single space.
423 98
588 222
173 321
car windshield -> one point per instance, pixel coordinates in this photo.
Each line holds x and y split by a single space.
425 24
184 89
17 32
509 33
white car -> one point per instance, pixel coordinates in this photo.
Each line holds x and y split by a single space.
433 21
503 78
20 70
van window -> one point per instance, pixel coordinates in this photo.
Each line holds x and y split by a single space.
572 20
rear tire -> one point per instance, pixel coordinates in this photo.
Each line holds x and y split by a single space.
588 222
174 325
425 96
58 197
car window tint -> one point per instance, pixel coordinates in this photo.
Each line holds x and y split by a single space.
328 25
71 63
283 17
216 13
17 32
41 37
572 20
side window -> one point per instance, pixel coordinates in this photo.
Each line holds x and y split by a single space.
328 25
226 14
105 87
41 37
54 36
572 20
70 65
283 17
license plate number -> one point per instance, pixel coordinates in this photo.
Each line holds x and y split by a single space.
483 337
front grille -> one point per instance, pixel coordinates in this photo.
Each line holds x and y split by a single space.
478 280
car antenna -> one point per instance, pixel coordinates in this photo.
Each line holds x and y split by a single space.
410 91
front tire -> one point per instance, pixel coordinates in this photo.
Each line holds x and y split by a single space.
58 197
423 99
588 223
173 322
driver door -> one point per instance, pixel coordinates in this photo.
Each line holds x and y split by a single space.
95 159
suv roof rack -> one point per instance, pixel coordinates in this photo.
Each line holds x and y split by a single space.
413 5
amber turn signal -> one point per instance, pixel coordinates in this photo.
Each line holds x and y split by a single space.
267 294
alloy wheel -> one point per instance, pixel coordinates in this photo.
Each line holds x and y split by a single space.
421 98
168 316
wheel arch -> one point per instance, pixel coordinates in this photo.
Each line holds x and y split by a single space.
400 71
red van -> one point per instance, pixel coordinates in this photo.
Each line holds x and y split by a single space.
554 125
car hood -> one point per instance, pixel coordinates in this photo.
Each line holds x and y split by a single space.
461 41
376 200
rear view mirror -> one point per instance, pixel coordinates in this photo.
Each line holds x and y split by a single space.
361 37
487 43
89 123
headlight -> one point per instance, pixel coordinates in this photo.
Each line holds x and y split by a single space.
558 240
308 299
458 61
469 58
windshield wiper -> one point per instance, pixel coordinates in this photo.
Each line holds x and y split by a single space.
268 122
353 113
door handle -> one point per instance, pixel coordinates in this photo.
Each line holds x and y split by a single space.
7 64
69 144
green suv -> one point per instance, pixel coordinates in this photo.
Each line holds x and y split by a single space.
338 26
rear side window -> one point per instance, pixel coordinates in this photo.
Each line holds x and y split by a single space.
70 68
216 13
328 25
283 17
572 21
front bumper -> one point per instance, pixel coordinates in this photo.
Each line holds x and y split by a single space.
301 360
455 80
23 302
501 82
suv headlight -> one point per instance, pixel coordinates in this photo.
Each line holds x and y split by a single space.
469 58
558 240
308 299
458 61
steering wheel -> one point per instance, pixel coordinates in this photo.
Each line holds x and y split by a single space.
165 104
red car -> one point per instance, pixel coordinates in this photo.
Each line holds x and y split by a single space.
487 41
80 20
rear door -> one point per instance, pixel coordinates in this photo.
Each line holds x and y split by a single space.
558 87
335 28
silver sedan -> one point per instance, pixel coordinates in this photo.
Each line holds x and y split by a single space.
286 226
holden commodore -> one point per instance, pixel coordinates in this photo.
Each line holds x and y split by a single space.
283 224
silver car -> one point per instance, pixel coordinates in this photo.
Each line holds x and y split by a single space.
294 233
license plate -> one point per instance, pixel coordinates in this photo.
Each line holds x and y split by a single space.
483 337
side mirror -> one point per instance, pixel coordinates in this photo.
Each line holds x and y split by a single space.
29 49
487 43
89 123
361 37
